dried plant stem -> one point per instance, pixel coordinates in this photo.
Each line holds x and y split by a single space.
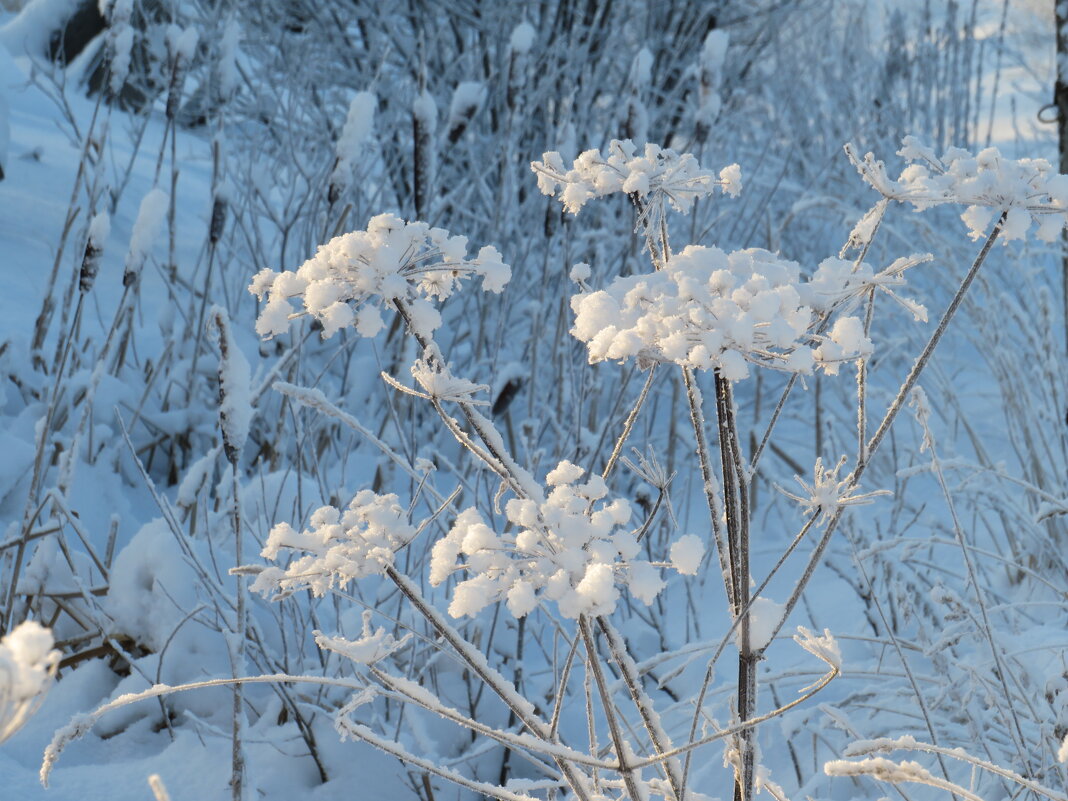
736 503
711 484
643 703
491 678
628 424
594 662
37 474
237 645
988 632
888 419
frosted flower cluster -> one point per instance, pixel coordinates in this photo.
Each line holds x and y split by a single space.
838 281
1027 190
573 549
710 310
828 493
350 278
27 666
339 546
655 173
372 647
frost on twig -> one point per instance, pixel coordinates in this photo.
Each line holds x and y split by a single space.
348 281
235 404
1026 190
823 647
573 549
840 284
827 493
339 546
27 668
440 384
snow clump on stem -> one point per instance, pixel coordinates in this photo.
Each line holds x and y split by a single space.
573 549
654 175
1025 190
339 546
346 283
27 667
709 310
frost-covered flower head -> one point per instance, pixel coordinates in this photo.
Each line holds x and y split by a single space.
840 284
573 549
1026 190
349 279
27 667
339 545
827 492
710 310
654 175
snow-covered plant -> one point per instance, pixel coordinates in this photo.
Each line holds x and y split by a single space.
828 492
28 665
573 548
150 216
357 128
99 228
348 281
338 547
710 310
893 772
710 70
118 13
1025 191
652 175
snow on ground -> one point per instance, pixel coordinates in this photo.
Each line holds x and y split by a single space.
193 764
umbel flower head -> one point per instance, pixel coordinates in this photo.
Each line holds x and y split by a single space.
574 549
338 546
349 279
1026 190
828 493
655 174
710 310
